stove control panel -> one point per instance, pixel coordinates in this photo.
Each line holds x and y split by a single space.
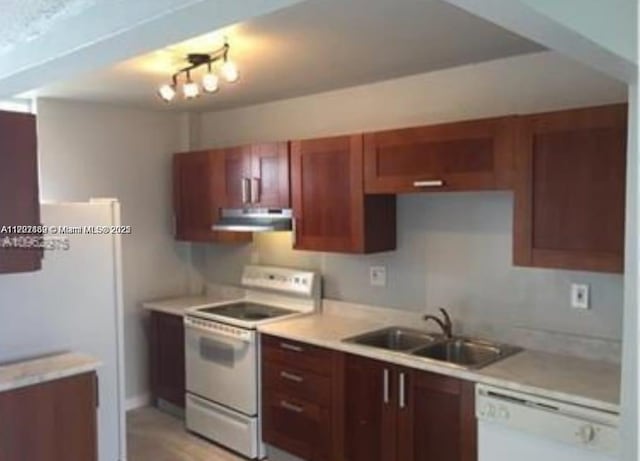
280 279
219 329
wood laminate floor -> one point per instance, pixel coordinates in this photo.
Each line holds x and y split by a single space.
155 436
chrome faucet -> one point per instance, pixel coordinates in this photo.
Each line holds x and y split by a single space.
445 323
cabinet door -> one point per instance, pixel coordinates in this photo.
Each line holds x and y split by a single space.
328 201
19 199
237 176
167 358
369 410
53 421
270 175
470 155
198 191
436 420
570 189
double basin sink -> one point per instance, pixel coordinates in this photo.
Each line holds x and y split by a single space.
459 352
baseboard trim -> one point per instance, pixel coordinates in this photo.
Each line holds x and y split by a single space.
138 401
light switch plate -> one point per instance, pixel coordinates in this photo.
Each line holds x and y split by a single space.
579 296
378 276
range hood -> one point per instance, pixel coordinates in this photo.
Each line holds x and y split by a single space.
254 220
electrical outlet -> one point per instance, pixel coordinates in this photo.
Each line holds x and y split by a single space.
378 276
579 296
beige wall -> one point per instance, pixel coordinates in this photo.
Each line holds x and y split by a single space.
453 249
93 150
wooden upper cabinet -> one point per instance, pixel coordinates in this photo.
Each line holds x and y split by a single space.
331 211
570 189
19 197
198 189
471 155
236 174
256 176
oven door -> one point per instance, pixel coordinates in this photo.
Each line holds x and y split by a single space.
222 368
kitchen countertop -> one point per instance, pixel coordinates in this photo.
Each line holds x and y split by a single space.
583 382
24 373
178 306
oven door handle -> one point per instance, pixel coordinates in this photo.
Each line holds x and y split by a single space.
218 334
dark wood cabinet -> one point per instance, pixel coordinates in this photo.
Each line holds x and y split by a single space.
52 421
370 411
471 155
19 197
570 189
166 361
256 176
437 421
331 211
198 188
301 399
394 413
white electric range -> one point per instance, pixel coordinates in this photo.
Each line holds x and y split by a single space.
223 354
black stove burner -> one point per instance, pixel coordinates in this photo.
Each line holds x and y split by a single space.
247 311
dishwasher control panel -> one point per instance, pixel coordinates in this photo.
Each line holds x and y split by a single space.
564 422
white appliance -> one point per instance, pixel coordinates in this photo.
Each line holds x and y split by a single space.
223 354
74 303
514 425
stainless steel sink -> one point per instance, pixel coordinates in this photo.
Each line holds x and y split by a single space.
396 339
465 352
457 351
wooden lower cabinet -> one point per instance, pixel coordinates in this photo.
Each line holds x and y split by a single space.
166 361
52 421
394 413
301 399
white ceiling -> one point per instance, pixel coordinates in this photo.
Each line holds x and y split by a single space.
24 20
314 46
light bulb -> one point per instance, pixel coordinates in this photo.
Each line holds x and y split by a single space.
230 71
210 82
190 89
167 92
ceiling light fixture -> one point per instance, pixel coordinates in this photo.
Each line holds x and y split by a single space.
210 80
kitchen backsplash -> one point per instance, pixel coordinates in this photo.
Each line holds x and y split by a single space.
454 250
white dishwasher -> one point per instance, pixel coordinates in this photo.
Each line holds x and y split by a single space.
517 426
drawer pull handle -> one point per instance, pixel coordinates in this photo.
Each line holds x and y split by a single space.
430 183
291 407
385 386
401 386
291 347
291 377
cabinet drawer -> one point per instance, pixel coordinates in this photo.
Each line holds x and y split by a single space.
296 426
296 354
296 383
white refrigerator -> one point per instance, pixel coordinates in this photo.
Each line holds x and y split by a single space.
74 303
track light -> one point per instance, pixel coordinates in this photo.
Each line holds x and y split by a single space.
230 71
210 81
167 92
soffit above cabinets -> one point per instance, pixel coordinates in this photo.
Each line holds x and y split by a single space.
314 46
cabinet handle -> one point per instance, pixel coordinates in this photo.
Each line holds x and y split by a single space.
385 386
291 377
429 183
255 190
294 232
291 407
291 347
401 386
246 190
